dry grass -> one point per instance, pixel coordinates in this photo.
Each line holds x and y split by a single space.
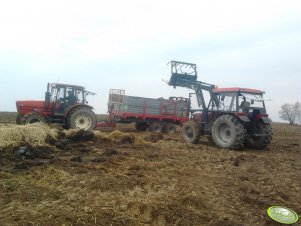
34 134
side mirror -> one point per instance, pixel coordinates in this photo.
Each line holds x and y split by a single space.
252 101
223 97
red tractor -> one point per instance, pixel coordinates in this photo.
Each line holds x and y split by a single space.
64 104
233 118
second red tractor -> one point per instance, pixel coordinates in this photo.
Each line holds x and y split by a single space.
64 104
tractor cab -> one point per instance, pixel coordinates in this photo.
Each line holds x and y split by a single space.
60 97
238 100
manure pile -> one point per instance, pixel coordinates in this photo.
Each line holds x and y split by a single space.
26 146
34 134
39 134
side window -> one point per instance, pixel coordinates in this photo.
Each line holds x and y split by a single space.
56 94
60 93
69 92
254 101
227 102
244 104
240 100
80 96
53 95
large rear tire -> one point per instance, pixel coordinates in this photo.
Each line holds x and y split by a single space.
81 118
32 117
228 132
141 126
261 142
155 127
191 132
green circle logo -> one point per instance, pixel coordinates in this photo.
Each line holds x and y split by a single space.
282 215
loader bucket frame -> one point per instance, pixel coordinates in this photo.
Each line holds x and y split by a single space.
185 75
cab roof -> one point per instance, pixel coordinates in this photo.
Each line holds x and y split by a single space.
66 85
237 89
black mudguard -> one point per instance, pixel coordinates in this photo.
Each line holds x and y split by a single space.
266 120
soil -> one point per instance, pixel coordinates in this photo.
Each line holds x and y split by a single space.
160 181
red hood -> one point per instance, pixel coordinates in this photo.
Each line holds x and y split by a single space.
25 106
30 103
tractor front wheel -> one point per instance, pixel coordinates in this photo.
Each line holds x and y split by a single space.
81 118
228 132
31 117
191 132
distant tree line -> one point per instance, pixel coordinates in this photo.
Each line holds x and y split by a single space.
291 113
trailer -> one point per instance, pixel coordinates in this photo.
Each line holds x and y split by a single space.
154 115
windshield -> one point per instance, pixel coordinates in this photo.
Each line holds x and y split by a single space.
255 100
241 102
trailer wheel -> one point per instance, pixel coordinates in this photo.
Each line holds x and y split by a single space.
141 126
170 128
155 127
81 118
261 142
32 117
228 132
191 132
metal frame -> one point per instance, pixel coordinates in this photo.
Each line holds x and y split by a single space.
189 80
176 68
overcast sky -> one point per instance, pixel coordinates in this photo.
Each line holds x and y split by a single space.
126 45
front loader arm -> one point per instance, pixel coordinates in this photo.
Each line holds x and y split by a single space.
185 75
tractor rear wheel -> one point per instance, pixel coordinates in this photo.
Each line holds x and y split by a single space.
228 132
155 127
141 126
32 117
191 132
170 128
81 118
262 141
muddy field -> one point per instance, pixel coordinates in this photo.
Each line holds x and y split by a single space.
141 178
